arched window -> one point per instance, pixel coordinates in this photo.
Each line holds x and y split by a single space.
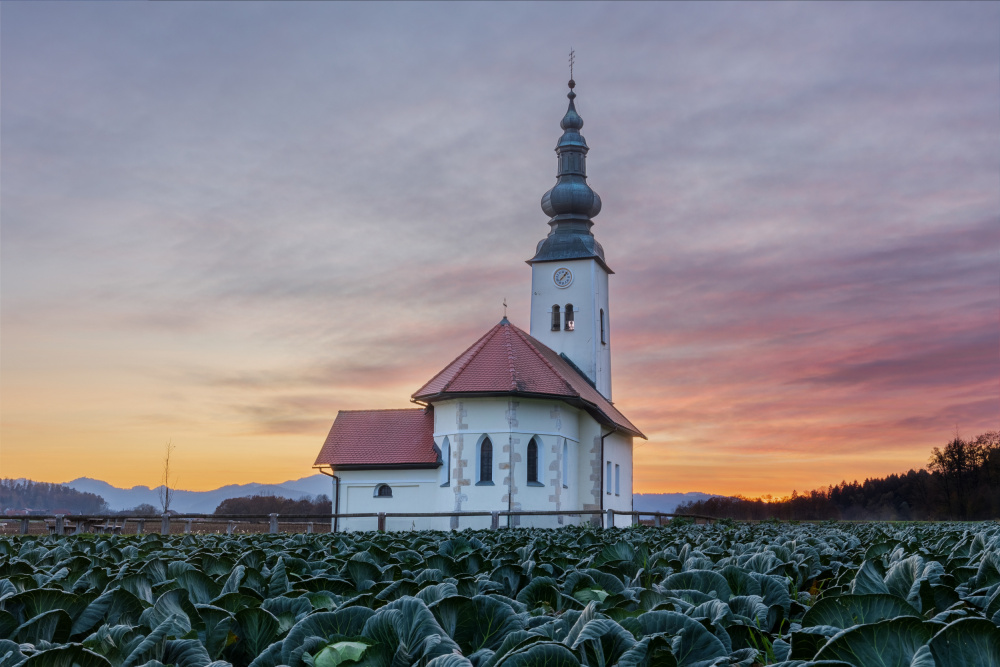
555 318
486 461
604 340
565 465
570 324
446 462
383 491
533 461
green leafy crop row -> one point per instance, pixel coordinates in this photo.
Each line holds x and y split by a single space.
866 595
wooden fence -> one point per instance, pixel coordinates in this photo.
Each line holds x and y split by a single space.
61 524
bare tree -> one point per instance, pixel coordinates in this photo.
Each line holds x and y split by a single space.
166 493
965 467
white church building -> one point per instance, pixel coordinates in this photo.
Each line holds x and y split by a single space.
518 421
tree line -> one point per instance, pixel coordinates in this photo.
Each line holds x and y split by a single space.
257 505
275 505
17 495
961 482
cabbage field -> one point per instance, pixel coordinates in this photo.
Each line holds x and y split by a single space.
833 594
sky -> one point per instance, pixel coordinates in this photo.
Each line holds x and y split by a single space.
222 223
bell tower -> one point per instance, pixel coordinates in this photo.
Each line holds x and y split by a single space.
569 278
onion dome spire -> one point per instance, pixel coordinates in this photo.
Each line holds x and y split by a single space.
571 203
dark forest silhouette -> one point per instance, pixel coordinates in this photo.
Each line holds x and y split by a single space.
45 498
962 481
18 495
275 505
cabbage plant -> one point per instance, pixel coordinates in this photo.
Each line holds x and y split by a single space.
867 595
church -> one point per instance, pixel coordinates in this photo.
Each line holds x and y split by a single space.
519 421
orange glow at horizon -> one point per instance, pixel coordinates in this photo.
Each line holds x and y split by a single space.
221 437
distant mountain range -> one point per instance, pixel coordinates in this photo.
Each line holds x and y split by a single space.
205 502
202 502
665 502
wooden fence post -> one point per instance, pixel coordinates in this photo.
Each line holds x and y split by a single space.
24 526
274 523
59 524
309 527
141 528
494 520
381 522
659 520
187 526
610 521
165 524
230 527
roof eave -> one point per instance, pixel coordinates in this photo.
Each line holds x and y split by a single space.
575 401
372 466
597 258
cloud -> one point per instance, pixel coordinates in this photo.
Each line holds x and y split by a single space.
262 216
968 359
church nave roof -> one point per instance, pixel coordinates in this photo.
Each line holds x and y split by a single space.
362 439
506 360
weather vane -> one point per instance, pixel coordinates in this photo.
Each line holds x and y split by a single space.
505 307
572 59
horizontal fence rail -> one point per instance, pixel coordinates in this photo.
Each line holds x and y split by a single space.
74 524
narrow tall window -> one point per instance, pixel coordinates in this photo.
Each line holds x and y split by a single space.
555 318
486 461
603 339
446 462
608 477
618 480
569 317
565 465
533 461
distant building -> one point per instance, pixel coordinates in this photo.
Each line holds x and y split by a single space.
517 421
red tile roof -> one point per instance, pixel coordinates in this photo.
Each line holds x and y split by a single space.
380 439
508 361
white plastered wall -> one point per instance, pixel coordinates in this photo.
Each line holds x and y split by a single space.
589 295
618 452
573 484
413 490
510 424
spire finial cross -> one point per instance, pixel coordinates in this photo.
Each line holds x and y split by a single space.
572 59
505 307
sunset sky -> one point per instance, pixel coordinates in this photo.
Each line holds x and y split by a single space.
222 223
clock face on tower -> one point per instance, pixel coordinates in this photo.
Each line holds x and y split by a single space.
562 277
